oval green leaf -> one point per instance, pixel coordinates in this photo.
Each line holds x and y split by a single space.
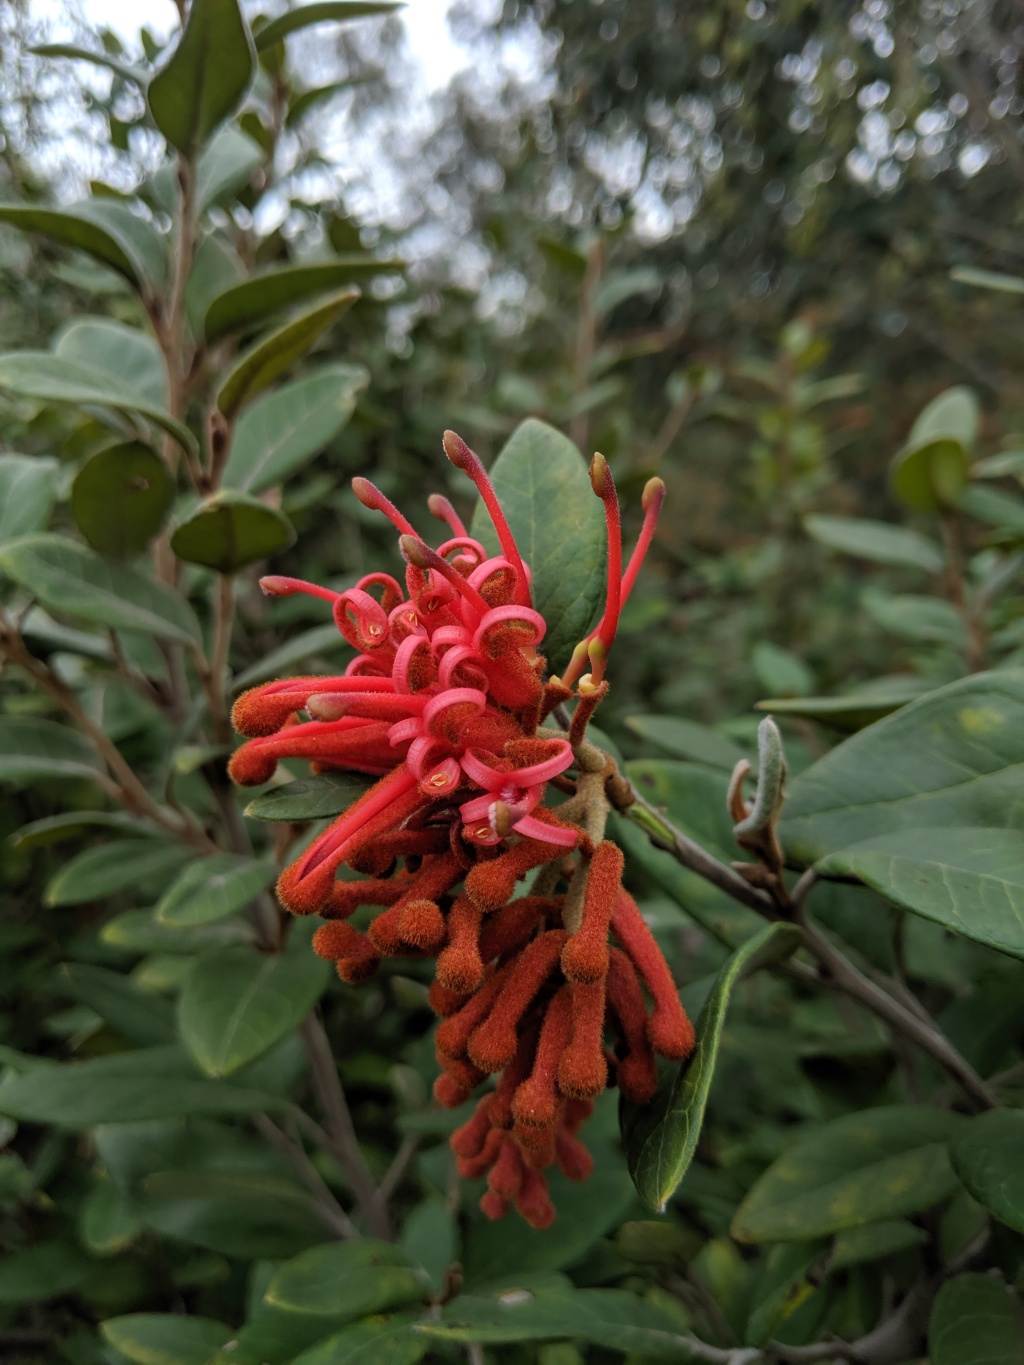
130 355
246 305
961 762
930 474
38 748
309 798
353 1279
28 490
660 1138
987 1158
852 712
375 1341
231 530
165 1338
688 740
282 431
69 578
213 888
862 1168
237 1003
120 498
68 227
113 867
327 11
877 541
544 489
206 76
278 352
976 1320
137 1015
968 880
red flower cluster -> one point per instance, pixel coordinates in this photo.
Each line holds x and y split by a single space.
444 703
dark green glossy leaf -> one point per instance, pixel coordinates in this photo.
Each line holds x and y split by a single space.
987 1158
237 1003
150 1083
859 1246
961 762
55 379
661 1138
236 1213
108 868
28 490
106 1224
326 11
257 369
69 227
976 1320
309 798
351 1278
231 530
69 578
54 829
139 932
430 1237
138 1015
120 498
130 355
530 1310
284 430
878 1164
165 1338
968 880
246 305
212 888
878 541
781 1289
688 740
39 748
375 1341
544 489
206 76
40 1272
849 713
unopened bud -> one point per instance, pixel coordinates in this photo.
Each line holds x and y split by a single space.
273 585
329 705
415 552
457 451
601 476
653 495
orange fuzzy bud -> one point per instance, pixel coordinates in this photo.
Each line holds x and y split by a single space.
514 924
460 968
500 1103
472 1167
534 1201
583 1071
636 1074
536 1100
304 895
585 956
355 970
669 1030
507 1173
452 1035
493 1044
445 1002
468 1141
574 1161
491 884
493 1206
338 939
384 932
421 924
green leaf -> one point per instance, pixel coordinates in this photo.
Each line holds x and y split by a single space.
138 235
997 509
986 1157
139 1016
150 1083
327 11
954 415
781 671
430 1237
237 1003
987 279
206 77
316 641
55 379
878 1164
960 762
138 931
661 1138
929 474
216 265
108 868
130 355
247 304
74 228
585 1213
687 739
120 498
44 1271
212 888
166 1338
38 748
781 1289
544 489
878 541
1007 463
530 1310
71 579
106 1224
231 530
309 798
73 52
349 1278
917 617
278 352
976 1321
225 166
851 712
375 1341
54 829
966 879
284 430
242 1214
858 1246
305 101
28 490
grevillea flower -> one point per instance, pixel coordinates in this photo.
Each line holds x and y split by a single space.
445 703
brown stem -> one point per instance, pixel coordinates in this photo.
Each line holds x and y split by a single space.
328 1209
340 1129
